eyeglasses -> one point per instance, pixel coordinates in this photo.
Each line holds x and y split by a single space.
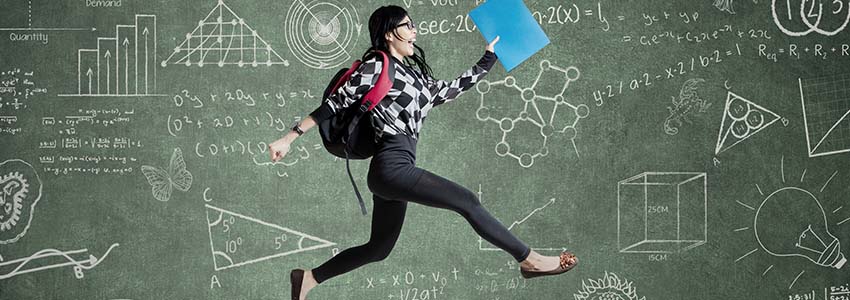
409 25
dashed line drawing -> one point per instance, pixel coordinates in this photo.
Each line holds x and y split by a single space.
163 182
791 222
123 65
485 246
20 190
662 212
29 23
795 279
319 33
609 286
687 103
223 38
826 106
798 19
741 119
766 270
532 111
230 250
18 266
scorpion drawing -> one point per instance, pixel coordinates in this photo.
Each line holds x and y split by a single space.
687 102
726 5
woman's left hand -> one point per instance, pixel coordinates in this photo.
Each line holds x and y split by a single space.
490 47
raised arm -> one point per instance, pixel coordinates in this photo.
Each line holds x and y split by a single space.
446 91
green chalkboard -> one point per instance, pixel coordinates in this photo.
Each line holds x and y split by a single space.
682 149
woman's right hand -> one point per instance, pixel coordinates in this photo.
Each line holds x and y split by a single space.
279 149
492 46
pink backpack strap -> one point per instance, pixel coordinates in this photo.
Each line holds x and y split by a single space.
380 90
346 76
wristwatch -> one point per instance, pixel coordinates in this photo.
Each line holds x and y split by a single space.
297 129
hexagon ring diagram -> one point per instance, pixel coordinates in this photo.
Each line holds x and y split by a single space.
320 32
527 107
20 190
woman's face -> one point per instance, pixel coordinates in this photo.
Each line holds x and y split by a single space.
403 44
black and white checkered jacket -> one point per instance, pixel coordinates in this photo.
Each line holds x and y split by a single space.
398 113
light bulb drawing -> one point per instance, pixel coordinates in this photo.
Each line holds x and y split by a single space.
791 222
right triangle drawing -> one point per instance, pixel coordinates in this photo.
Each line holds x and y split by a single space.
237 240
223 38
741 119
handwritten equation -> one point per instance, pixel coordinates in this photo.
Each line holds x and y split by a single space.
841 292
410 285
565 14
678 69
201 112
72 143
697 37
16 86
16 90
797 52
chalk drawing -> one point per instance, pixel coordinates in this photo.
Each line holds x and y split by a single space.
223 38
21 265
163 182
20 190
238 240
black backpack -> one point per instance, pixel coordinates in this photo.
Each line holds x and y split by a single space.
343 135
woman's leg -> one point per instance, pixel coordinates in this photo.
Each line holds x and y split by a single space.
387 220
433 190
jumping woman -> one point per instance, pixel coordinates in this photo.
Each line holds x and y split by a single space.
393 177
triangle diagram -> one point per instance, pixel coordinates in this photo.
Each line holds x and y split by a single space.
238 240
741 119
223 38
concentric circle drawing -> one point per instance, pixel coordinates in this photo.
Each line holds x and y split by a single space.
320 33
20 190
801 17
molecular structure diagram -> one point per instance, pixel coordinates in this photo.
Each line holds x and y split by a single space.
533 110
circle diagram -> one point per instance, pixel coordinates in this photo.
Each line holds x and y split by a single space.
320 33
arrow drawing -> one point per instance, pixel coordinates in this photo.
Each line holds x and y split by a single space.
89 73
107 55
145 33
108 48
126 67
84 264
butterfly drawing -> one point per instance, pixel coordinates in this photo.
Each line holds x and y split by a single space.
163 182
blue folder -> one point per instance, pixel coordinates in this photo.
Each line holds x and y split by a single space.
520 36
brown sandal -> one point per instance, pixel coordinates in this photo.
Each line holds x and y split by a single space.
563 266
296 277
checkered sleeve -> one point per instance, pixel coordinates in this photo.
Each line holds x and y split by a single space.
352 91
446 91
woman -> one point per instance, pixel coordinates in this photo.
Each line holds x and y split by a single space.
393 176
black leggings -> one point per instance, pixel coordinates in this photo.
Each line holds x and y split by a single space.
395 180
